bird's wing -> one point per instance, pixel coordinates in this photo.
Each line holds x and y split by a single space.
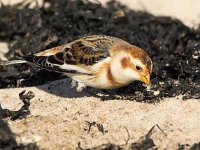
74 57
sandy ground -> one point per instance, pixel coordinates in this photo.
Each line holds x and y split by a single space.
59 115
60 122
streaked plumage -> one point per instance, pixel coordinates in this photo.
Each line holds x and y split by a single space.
97 61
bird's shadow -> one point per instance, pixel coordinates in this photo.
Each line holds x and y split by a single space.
62 88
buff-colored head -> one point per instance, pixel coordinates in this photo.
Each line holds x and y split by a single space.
131 63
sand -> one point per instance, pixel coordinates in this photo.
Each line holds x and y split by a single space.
59 115
59 122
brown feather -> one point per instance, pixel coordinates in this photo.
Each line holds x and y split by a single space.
125 62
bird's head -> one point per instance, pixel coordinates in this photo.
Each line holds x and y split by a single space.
132 63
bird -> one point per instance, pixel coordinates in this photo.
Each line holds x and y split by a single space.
98 61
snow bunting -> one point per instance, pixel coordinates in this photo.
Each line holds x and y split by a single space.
97 61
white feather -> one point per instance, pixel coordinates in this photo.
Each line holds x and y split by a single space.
12 62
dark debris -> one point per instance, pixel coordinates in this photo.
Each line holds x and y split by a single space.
183 146
144 143
102 147
195 146
173 47
99 126
23 111
8 141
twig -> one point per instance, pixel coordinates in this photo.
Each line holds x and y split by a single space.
151 130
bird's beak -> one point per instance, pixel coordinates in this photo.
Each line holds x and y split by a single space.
145 79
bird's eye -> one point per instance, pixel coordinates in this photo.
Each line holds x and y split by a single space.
138 68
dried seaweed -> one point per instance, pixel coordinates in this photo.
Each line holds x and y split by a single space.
173 47
22 112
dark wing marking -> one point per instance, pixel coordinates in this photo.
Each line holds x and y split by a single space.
86 52
48 62
56 59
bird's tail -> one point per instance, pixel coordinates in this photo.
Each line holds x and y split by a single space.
11 62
